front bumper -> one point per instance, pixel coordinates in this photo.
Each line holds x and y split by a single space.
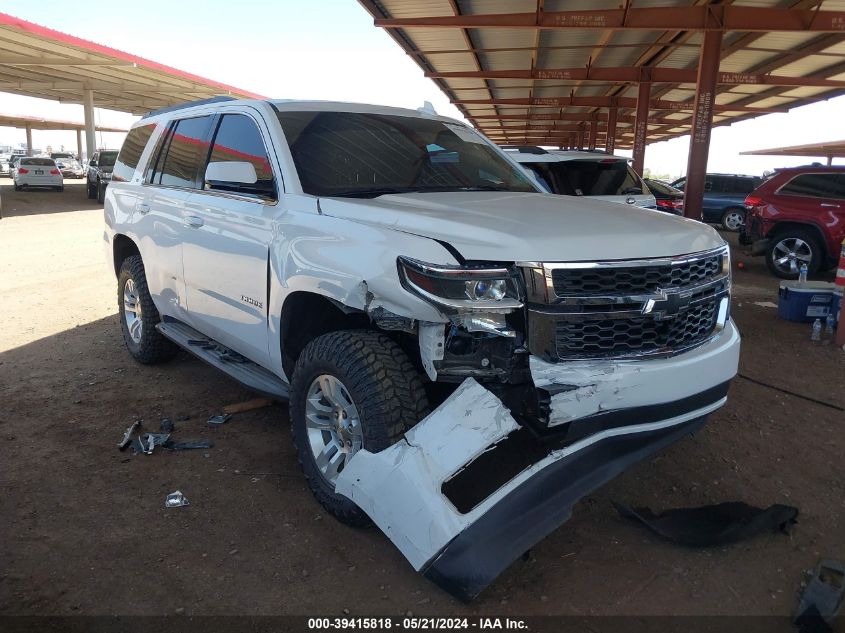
469 490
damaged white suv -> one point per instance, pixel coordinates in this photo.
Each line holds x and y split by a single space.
465 357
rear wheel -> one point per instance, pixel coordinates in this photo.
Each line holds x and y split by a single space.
351 390
733 219
790 248
139 316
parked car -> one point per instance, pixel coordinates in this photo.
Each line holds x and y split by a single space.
596 174
13 163
724 198
666 196
37 172
797 216
70 168
99 173
464 355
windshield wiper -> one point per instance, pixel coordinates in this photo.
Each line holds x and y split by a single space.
486 188
375 192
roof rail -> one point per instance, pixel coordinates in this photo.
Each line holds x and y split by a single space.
527 149
189 104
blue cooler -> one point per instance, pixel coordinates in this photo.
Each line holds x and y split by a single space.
808 301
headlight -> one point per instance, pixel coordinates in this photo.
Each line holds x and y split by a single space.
461 287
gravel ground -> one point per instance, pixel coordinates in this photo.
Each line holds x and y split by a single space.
84 529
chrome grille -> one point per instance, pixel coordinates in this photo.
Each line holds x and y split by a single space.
616 337
633 280
626 308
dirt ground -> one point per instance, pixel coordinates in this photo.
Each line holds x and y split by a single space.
84 529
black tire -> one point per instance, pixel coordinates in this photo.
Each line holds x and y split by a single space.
18 187
61 188
101 193
91 191
385 387
153 347
797 233
729 219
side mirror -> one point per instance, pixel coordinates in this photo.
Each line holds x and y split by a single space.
92 163
232 172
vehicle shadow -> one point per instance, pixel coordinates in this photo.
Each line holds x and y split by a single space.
45 201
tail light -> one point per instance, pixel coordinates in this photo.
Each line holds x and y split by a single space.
22 170
671 204
55 172
753 201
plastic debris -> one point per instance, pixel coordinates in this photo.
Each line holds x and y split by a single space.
150 440
186 445
822 597
249 405
176 500
166 426
219 419
127 436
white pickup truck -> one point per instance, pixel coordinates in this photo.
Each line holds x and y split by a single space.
464 356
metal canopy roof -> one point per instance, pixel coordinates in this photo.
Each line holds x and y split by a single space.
828 149
40 62
36 123
539 71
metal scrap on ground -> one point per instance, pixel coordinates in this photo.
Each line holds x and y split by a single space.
219 419
176 500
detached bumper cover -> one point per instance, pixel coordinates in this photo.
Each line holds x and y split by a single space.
468 490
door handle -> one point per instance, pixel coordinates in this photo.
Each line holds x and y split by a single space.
142 207
193 221
830 205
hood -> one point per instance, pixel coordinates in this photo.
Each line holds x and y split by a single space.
513 226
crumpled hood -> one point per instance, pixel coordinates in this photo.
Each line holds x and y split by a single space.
513 226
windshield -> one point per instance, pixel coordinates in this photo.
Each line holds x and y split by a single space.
366 155
38 162
107 159
606 177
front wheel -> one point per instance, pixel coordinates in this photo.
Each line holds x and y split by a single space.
352 389
91 190
789 249
139 316
101 193
733 219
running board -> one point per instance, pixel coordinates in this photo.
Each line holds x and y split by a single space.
226 360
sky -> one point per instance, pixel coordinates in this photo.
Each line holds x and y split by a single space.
329 49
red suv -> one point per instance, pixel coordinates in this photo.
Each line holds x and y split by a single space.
797 215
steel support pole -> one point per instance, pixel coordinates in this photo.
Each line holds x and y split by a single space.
28 139
702 123
594 129
641 126
829 161
581 137
88 110
610 141
79 145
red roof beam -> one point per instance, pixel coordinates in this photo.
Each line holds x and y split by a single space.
612 102
697 18
634 74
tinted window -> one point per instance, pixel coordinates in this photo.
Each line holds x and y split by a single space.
589 177
41 162
184 151
814 186
130 153
662 188
366 155
238 139
107 159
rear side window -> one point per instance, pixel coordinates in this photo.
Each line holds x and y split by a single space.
130 153
183 152
589 177
239 139
815 186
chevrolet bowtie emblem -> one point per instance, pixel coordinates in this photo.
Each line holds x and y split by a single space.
666 304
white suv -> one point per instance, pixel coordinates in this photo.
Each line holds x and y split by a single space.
464 356
593 174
